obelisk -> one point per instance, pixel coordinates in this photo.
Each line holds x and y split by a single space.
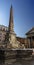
10 39
11 23
12 35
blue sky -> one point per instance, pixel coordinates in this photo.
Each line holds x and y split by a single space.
23 14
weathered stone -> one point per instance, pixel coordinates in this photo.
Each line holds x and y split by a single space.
9 54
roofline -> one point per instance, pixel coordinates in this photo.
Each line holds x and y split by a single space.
29 30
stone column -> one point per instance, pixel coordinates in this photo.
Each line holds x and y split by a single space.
29 42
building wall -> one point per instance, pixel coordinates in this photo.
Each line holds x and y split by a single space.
4 29
23 41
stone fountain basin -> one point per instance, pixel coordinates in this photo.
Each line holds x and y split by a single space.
12 55
15 53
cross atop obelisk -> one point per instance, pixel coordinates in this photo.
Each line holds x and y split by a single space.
11 23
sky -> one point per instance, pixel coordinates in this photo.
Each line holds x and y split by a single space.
23 15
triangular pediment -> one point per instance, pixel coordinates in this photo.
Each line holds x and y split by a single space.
30 31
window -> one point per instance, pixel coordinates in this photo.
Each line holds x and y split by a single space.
0 36
0 39
0 33
3 29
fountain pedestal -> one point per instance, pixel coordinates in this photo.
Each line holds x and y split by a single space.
11 55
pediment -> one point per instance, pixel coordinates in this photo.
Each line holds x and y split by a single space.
30 31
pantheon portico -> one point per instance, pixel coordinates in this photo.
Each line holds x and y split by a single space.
30 37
